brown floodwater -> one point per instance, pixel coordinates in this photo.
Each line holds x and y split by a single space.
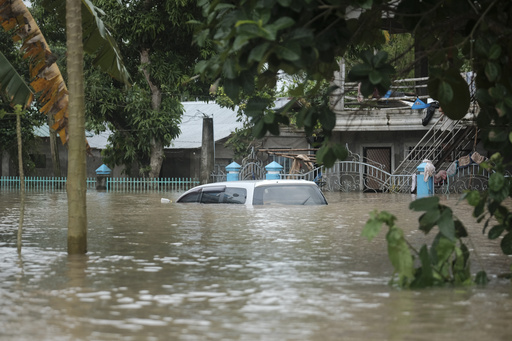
207 272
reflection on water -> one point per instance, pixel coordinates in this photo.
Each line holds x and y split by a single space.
207 272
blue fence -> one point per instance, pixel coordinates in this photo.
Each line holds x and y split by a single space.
112 184
143 184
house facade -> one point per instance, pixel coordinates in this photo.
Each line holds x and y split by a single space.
182 156
385 132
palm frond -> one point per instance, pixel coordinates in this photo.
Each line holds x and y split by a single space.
13 85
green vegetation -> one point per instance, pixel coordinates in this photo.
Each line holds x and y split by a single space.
257 39
445 262
13 89
155 40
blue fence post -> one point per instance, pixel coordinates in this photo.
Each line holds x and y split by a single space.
423 188
102 173
273 170
233 170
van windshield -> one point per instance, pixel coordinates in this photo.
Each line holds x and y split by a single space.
288 195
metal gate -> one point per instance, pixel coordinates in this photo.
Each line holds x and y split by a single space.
382 157
252 168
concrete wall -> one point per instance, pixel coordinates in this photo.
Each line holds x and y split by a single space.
186 163
44 167
398 141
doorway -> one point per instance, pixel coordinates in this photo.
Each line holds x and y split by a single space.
379 157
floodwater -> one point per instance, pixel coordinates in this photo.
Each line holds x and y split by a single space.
206 272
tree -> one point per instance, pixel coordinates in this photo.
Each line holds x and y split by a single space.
160 57
20 96
14 90
260 38
77 178
48 81
46 78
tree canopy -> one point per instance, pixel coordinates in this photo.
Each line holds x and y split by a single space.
155 40
258 38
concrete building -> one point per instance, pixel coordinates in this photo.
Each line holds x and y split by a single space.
182 156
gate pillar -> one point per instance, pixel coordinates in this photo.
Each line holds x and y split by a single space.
233 170
273 170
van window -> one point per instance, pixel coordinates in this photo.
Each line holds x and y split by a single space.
288 195
226 195
234 195
191 197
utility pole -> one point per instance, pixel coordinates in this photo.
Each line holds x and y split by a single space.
207 150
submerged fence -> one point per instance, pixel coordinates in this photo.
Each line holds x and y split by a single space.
143 184
112 184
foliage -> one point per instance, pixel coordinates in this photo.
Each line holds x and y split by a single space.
400 49
45 77
12 85
97 37
18 69
489 207
133 117
8 140
263 38
129 142
446 262
258 38
243 138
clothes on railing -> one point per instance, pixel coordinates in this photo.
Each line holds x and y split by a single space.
440 177
430 170
473 157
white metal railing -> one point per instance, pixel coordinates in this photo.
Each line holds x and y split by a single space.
354 175
348 176
440 134
406 91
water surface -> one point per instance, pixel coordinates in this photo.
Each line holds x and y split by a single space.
207 272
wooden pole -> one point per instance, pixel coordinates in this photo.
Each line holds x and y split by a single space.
207 150
22 177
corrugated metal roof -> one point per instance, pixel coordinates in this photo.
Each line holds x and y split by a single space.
99 141
224 123
42 131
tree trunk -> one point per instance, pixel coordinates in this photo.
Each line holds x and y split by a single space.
157 148
22 178
54 148
77 181
157 158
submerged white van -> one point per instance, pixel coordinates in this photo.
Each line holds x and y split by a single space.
256 192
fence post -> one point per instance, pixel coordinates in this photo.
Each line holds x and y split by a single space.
102 173
273 170
233 170
423 188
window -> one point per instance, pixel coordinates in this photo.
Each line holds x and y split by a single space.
191 197
211 197
288 195
234 195
223 195
217 195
